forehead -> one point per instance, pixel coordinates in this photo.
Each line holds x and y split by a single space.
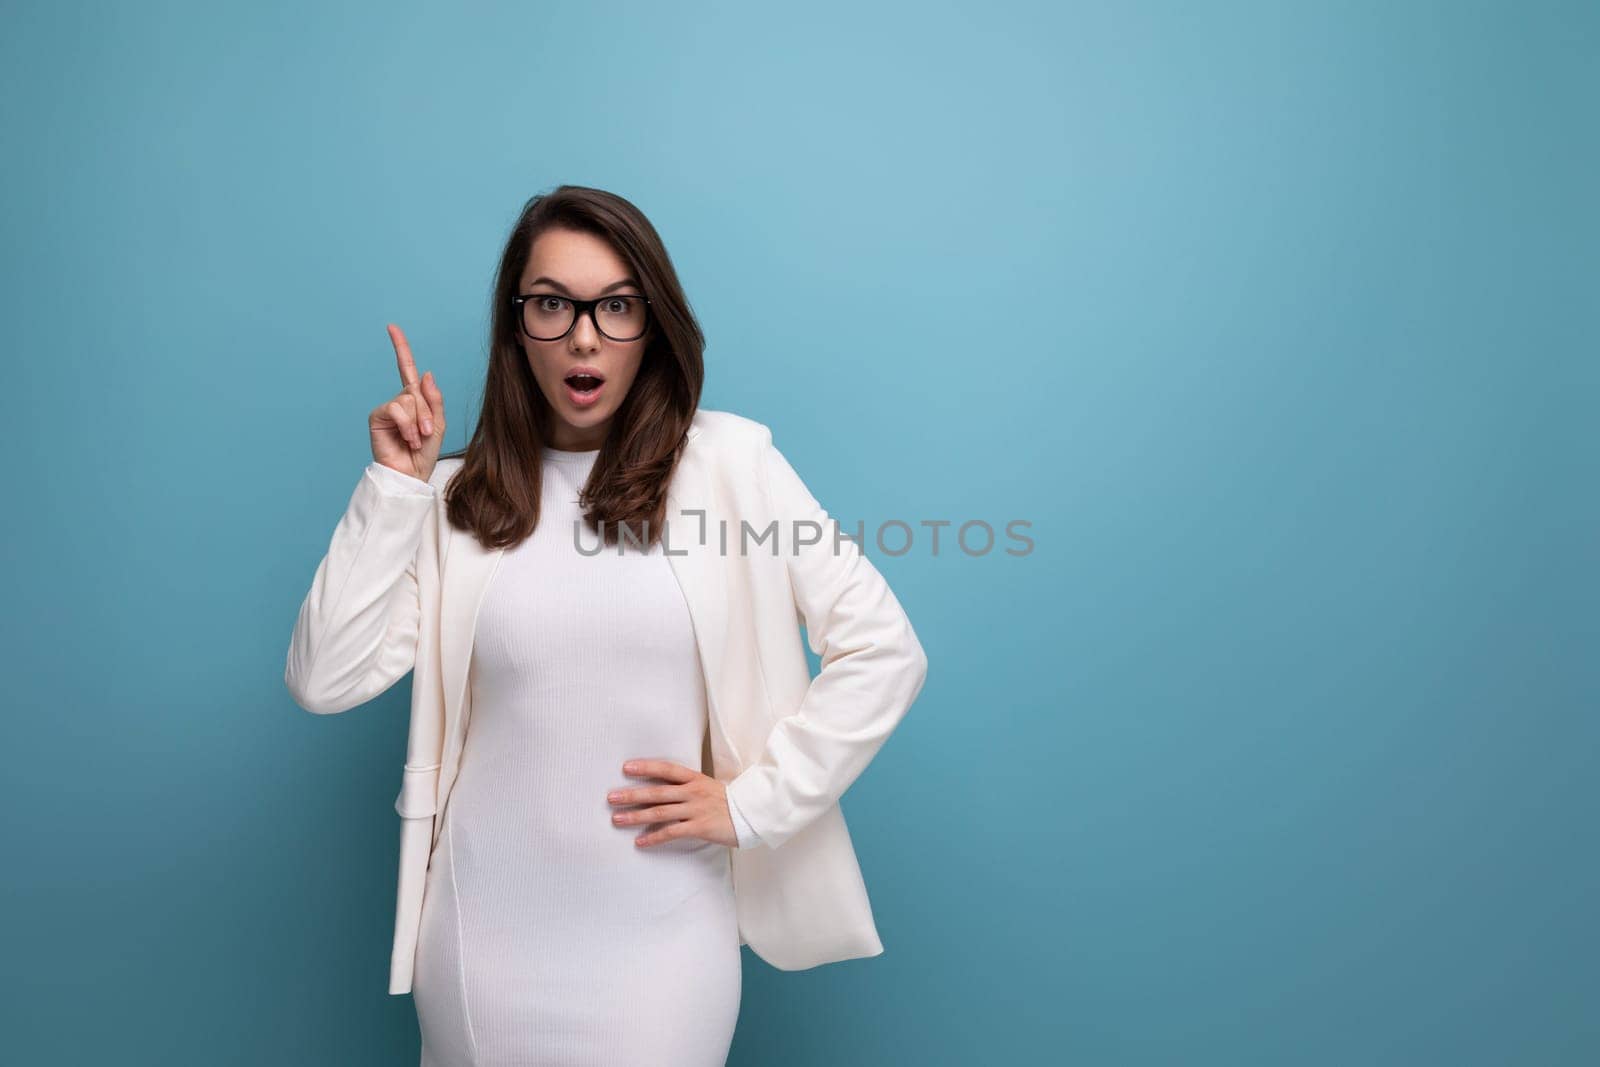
581 261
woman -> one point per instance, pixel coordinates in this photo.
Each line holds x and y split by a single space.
548 932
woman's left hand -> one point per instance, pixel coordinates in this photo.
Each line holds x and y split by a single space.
693 805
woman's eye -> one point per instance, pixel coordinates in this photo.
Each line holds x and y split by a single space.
551 303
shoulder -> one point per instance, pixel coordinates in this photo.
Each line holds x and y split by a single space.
734 445
727 430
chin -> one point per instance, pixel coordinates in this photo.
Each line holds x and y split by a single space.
585 416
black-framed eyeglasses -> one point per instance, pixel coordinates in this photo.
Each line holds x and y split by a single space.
549 317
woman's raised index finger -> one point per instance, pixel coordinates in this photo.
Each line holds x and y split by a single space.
402 355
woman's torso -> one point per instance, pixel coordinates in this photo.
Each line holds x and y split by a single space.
558 929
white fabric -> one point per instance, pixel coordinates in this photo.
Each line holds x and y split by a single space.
546 935
398 590
392 482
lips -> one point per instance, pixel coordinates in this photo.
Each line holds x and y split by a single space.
583 385
584 379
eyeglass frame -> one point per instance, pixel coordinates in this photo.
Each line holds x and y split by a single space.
579 309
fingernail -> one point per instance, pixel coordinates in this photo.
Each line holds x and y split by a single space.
629 768
613 796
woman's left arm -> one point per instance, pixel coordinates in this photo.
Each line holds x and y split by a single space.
873 667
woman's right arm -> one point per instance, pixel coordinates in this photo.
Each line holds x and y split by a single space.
356 633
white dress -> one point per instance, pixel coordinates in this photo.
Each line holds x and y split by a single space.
547 936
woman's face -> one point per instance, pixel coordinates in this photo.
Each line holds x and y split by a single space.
566 263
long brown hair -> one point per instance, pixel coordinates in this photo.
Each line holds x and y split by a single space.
496 492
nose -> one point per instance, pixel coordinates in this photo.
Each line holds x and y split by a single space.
585 335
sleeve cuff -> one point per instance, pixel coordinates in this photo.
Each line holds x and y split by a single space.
393 483
741 827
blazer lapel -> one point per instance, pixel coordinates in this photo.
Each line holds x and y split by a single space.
691 544
469 567
466 568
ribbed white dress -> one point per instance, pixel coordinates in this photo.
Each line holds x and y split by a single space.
547 936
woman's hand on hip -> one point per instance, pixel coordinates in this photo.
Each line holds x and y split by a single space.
408 429
691 804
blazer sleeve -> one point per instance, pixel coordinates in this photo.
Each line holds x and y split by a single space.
873 667
742 830
356 633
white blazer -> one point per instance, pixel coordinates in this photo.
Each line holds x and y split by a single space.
399 588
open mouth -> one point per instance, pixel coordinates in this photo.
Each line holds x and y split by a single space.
583 383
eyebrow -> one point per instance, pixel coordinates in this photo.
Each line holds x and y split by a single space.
546 280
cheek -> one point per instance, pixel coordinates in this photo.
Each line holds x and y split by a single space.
633 365
538 363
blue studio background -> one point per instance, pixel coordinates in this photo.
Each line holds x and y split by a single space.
1276 321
